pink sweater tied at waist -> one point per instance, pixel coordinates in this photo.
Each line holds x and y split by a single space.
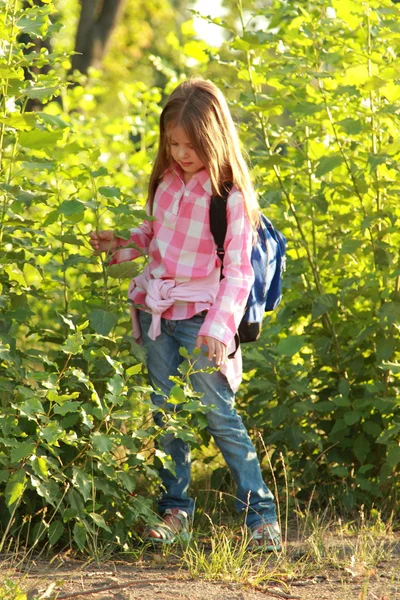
161 294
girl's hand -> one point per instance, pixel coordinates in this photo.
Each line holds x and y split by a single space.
103 241
215 348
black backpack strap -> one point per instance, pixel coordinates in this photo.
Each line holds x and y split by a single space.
218 225
218 222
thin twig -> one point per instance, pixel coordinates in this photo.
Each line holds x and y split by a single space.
116 586
273 592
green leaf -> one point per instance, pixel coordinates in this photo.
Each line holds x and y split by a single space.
351 126
393 456
82 482
39 465
128 480
102 321
15 487
323 304
101 442
184 352
352 417
373 429
327 164
24 122
290 345
51 433
340 471
361 447
32 275
79 533
350 246
34 23
177 395
338 427
101 172
294 436
71 207
73 344
390 433
134 370
390 366
39 138
42 92
110 192
279 414
47 489
341 401
56 530
23 450
54 396
323 406
98 519
53 120
4 475
66 407
115 385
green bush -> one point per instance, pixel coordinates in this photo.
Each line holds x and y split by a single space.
77 435
321 89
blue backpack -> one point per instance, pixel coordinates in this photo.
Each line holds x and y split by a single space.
268 259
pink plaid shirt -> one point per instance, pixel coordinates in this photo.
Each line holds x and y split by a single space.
181 247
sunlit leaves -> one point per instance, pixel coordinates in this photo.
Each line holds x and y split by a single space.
39 138
339 318
327 164
70 373
15 487
73 344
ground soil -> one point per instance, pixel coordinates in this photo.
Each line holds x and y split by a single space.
162 577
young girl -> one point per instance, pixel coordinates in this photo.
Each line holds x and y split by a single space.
186 303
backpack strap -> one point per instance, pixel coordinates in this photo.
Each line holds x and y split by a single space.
218 222
218 225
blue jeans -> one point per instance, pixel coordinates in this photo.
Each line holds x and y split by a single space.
224 424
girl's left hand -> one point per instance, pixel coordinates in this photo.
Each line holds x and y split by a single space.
215 348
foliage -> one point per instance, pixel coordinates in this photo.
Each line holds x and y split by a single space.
10 590
77 434
321 92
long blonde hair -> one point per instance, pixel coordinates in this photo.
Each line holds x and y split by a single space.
200 108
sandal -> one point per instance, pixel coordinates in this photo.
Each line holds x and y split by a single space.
166 530
265 537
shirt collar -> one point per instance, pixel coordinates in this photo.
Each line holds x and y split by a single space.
202 177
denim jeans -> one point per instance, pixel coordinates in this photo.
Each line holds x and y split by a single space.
224 424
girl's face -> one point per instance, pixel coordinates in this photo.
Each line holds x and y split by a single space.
183 152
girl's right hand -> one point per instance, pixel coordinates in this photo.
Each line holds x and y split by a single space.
103 241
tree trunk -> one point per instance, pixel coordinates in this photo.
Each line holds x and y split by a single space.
96 23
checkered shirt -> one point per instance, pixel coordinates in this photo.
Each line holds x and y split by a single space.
180 246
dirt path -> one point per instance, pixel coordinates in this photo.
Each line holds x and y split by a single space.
157 577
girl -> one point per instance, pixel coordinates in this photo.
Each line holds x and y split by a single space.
186 303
